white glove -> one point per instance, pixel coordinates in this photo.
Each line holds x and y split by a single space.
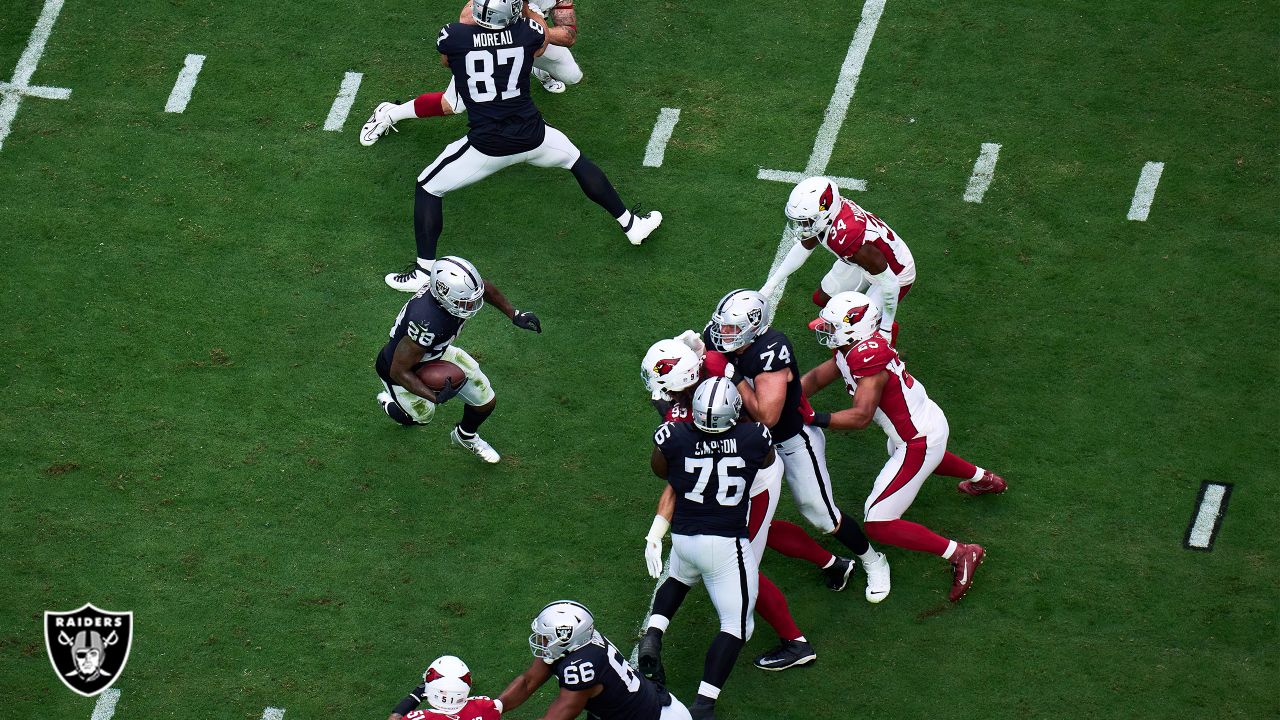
653 557
694 341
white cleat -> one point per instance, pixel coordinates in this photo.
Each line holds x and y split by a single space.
642 226
411 280
475 444
549 83
379 123
877 579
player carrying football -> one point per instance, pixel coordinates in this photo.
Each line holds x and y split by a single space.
867 251
885 392
424 331
446 687
593 676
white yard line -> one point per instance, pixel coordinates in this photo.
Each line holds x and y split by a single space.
273 713
1208 518
342 104
644 624
181 94
1146 191
105 708
791 178
983 170
657 149
12 92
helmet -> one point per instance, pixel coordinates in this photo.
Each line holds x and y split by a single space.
848 318
496 14
448 683
812 206
738 320
89 650
716 405
561 627
457 285
669 367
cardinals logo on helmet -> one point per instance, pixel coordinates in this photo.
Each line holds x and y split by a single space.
88 647
825 201
433 674
664 366
856 314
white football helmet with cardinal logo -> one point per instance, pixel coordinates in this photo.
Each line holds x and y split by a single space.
848 319
448 683
669 367
812 207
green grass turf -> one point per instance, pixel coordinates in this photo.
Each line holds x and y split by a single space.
193 302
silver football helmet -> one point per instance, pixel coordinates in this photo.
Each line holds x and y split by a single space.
496 14
457 285
716 405
561 627
739 319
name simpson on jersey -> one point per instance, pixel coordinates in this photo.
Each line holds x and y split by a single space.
492 39
727 446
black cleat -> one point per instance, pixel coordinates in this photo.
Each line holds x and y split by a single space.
838 574
789 654
702 709
649 657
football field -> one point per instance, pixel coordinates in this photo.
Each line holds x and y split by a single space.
193 301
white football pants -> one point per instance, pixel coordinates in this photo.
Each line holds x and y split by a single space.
728 568
765 491
476 391
675 711
805 459
461 164
910 464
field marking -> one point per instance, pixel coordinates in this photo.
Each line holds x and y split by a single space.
1146 191
644 624
1211 507
105 708
273 713
657 149
12 92
342 104
847 82
791 177
181 94
984 168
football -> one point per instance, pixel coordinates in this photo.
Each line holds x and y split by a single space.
433 374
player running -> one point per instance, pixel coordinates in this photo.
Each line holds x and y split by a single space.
424 331
446 687
671 368
592 674
885 392
555 68
867 251
490 62
768 378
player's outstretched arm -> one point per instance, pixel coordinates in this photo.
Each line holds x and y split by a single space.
865 402
819 377
792 262
658 530
525 684
877 266
525 320
565 30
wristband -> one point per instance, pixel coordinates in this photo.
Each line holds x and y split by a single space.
821 420
658 529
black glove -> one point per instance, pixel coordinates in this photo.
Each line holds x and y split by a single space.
527 320
734 375
448 391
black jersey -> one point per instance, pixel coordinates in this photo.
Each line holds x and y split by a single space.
627 695
712 475
771 352
425 322
491 73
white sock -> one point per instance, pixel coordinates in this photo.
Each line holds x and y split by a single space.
425 264
978 473
952 546
403 111
830 562
708 691
659 623
869 557
624 219
800 639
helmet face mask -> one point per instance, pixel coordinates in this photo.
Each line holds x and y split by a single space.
448 684
738 320
457 286
670 367
561 627
848 319
716 405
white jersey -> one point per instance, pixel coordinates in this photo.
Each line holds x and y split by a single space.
905 410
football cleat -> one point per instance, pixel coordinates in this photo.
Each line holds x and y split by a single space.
990 484
649 657
703 709
790 653
475 444
877 579
642 226
379 123
549 83
838 574
964 562
411 280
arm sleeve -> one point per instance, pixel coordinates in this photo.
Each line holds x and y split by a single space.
410 701
888 282
792 262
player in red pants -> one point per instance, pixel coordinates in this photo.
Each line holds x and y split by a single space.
670 370
884 391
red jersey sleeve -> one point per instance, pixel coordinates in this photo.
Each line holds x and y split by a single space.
869 357
848 230
713 364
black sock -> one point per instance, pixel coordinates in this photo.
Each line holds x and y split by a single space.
428 221
669 596
472 417
851 535
597 186
721 656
